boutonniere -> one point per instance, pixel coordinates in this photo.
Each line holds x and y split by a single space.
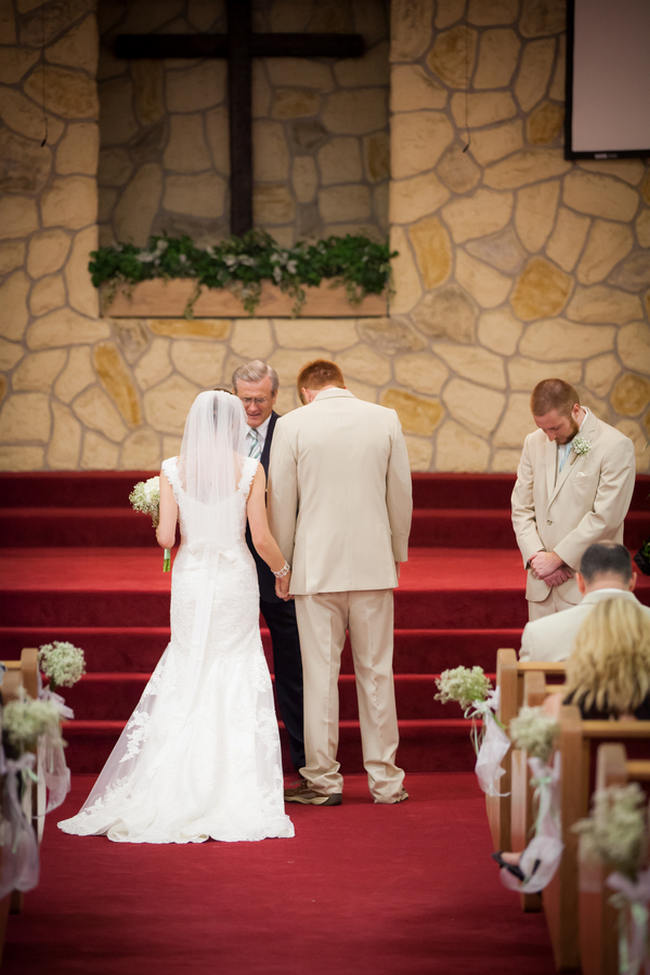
580 446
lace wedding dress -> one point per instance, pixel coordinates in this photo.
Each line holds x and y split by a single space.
200 756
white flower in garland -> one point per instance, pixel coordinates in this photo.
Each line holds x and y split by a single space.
26 719
62 662
615 830
534 732
580 446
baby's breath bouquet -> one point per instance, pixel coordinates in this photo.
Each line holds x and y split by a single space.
534 732
61 662
615 832
145 497
25 719
470 688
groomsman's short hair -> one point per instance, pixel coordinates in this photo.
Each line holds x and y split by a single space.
606 558
254 372
553 394
318 374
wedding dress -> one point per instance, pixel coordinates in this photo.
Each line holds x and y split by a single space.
200 756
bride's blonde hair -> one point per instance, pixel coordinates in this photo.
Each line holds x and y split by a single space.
609 668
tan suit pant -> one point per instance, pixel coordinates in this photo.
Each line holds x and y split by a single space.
552 604
322 622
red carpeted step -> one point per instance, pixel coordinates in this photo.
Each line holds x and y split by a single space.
96 527
72 489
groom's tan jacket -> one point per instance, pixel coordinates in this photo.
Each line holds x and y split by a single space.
340 494
566 512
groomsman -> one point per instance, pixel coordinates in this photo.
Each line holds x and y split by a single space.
256 385
340 510
574 486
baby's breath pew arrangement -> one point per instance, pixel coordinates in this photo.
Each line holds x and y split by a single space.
62 663
472 690
25 720
616 834
534 732
145 497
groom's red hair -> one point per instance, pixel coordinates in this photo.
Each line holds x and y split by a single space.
318 374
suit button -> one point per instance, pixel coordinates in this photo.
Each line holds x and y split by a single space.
549 522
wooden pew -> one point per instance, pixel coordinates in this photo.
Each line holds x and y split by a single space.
18 673
597 919
510 675
577 743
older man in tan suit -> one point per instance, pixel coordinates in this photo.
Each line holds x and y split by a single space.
340 508
574 485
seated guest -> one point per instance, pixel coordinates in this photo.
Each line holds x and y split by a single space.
608 673
605 573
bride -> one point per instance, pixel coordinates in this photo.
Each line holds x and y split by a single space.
200 756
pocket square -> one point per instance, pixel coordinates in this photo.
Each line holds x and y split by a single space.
582 474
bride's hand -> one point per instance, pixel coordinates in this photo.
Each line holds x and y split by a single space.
282 587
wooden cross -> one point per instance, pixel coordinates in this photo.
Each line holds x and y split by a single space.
240 45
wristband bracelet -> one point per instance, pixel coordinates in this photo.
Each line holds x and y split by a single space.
285 570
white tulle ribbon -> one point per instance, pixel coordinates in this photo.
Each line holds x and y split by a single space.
20 865
493 747
545 849
632 899
53 772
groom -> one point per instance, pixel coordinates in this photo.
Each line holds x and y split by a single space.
256 385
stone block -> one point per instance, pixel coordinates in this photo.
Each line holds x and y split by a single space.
631 394
423 372
341 334
200 362
304 178
567 239
149 90
487 286
339 161
459 450
473 363
516 422
545 124
96 410
524 374
251 338
414 88
600 196
499 331
484 13
77 375
78 48
639 437
542 17
505 461
70 94
557 339
406 281
457 170
447 313
14 313
362 362
453 54
390 335
201 195
25 418
432 249
24 164
642 227
371 69
142 450
420 452
534 72
608 243
70 202
216 126
535 213
497 58
473 405
376 156
488 145
523 168
273 204
18 216
419 196
154 365
293 103
139 204
16 458
131 336
288 363
115 167
418 139
193 328
10 354
63 449
299 72
12 256
186 150
350 202
26 118
166 405
634 273
482 213
541 291
196 87
7 25
502 251
482 108
47 294
82 294
355 112
410 29
633 346
116 379
271 155
416 414
15 63
118 118
98 453
64 327
602 304
78 151
600 373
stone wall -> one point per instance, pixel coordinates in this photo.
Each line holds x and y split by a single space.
513 263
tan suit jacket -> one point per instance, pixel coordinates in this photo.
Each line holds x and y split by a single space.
585 503
340 494
553 637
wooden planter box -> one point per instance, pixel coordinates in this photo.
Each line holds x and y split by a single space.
168 299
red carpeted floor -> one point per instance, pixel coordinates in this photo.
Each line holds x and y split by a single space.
393 890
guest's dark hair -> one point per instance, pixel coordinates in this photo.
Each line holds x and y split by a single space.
318 374
606 558
553 394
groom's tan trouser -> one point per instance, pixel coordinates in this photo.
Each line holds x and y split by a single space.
322 621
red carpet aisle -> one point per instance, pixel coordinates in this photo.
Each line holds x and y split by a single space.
393 890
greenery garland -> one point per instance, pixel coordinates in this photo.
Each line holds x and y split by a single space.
241 264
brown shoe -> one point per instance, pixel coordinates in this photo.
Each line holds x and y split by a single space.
401 797
306 796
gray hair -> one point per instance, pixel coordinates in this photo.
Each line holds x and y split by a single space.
254 372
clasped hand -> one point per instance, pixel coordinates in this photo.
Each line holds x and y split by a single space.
282 587
550 568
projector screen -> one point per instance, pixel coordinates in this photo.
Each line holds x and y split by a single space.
608 79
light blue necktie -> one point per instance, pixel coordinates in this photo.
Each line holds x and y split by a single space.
255 448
